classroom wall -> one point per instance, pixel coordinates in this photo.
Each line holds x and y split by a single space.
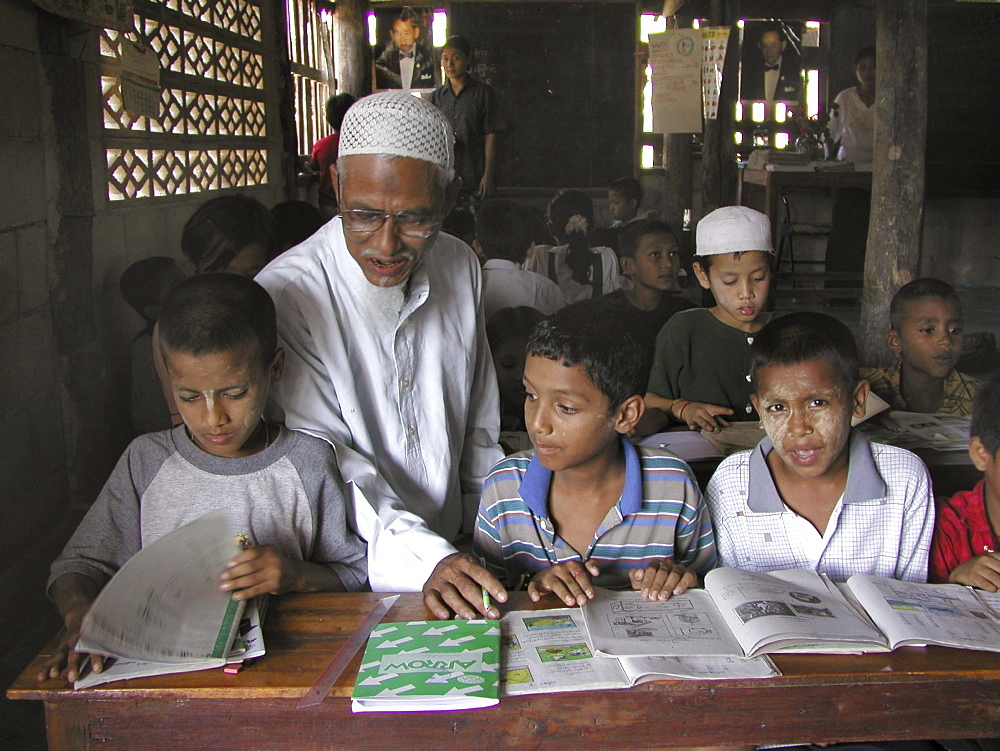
64 329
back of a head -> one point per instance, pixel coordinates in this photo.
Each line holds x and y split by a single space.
803 337
629 188
212 313
145 283
731 229
396 124
336 108
594 334
510 323
221 227
633 232
986 415
919 289
296 221
504 229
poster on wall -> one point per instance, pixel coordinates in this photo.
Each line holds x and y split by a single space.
714 40
675 57
112 14
140 80
771 61
404 58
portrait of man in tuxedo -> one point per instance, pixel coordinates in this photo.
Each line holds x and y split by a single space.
771 63
407 62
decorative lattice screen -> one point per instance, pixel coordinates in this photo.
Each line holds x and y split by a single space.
211 130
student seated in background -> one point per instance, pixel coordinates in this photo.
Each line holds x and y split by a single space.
218 335
324 153
585 507
700 373
295 222
504 235
815 493
582 272
144 285
507 331
650 259
624 198
966 547
926 338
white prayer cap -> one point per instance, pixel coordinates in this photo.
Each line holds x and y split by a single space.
398 124
733 229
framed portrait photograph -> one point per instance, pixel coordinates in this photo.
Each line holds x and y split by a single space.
771 61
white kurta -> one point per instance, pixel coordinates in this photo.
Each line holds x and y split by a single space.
413 415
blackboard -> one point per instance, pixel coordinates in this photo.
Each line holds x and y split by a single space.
963 103
565 75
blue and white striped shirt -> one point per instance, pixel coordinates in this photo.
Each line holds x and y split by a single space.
660 514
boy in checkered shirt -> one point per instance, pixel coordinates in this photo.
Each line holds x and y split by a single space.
815 493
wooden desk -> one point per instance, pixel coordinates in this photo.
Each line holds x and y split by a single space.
909 694
775 182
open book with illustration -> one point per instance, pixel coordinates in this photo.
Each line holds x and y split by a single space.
163 612
547 651
746 613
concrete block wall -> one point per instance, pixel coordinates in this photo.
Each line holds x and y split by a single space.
961 242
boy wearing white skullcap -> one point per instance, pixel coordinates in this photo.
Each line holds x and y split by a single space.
701 371
381 318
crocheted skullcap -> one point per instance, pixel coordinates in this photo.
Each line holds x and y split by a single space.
399 124
733 229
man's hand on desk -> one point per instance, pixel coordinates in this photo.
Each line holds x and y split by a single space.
456 587
983 571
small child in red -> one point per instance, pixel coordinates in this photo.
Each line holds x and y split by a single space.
966 546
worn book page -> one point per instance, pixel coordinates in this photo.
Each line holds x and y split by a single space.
949 615
622 624
165 605
789 611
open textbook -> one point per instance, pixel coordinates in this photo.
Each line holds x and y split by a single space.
547 651
746 613
163 612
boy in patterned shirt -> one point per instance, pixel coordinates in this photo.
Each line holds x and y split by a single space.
585 507
814 493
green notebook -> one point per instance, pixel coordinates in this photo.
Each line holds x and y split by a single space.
429 665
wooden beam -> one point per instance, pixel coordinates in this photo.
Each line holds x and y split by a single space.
350 47
894 233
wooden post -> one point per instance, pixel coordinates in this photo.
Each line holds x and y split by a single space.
894 232
678 179
350 47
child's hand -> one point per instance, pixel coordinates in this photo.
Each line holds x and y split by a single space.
258 571
64 662
701 416
661 579
569 581
983 571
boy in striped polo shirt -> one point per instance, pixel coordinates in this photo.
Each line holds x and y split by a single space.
586 508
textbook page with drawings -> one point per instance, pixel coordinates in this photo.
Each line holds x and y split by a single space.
738 613
165 606
549 651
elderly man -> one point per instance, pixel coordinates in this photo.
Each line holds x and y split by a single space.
382 324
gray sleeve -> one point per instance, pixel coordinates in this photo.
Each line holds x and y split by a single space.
336 544
110 534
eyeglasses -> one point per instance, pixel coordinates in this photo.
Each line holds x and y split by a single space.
366 221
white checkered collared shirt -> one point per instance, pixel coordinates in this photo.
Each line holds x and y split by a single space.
882 524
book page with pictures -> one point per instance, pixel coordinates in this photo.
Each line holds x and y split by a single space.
912 613
248 645
623 624
164 604
546 651
789 611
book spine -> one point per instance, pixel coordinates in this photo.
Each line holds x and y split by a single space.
228 629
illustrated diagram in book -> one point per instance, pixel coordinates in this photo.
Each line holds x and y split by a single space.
557 652
549 622
635 619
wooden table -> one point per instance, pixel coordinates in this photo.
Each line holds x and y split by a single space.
779 180
909 694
